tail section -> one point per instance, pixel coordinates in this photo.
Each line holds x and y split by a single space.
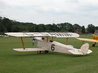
85 48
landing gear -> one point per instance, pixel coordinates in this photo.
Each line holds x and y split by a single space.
93 45
46 51
41 52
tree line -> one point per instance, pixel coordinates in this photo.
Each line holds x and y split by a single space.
8 25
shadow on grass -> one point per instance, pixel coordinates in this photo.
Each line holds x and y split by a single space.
25 54
70 55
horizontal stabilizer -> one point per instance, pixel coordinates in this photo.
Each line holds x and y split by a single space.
75 52
84 50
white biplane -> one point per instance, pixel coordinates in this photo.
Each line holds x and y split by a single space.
44 45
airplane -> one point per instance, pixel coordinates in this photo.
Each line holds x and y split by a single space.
44 45
94 39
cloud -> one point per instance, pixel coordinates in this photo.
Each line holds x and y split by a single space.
45 5
49 11
89 2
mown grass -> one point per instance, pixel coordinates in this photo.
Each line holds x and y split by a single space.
31 62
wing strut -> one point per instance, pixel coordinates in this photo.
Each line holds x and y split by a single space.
22 43
66 40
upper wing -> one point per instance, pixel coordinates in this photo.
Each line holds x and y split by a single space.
34 34
89 40
27 34
28 49
64 35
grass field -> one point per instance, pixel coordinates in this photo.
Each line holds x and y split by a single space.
31 62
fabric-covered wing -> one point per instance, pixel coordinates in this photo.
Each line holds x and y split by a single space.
27 34
28 49
89 40
18 34
41 34
64 35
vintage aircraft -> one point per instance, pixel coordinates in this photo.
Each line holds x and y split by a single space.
94 39
44 45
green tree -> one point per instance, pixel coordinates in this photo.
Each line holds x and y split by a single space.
62 27
76 26
7 24
48 28
41 27
83 29
96 28
69 27
91 28
54 28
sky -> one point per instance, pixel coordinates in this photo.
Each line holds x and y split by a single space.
82 12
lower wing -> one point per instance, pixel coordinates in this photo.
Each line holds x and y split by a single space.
89 40
29 49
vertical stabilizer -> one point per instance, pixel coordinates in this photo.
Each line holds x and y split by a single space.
84 48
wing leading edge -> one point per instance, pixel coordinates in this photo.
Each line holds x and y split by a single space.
29 49
41 34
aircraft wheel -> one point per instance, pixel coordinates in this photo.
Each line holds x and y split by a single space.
93 45
40 52
46 51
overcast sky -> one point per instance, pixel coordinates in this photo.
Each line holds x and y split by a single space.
82 12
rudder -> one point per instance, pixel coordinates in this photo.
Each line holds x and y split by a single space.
84 48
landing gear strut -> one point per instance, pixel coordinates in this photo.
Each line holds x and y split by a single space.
93 45
40 52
